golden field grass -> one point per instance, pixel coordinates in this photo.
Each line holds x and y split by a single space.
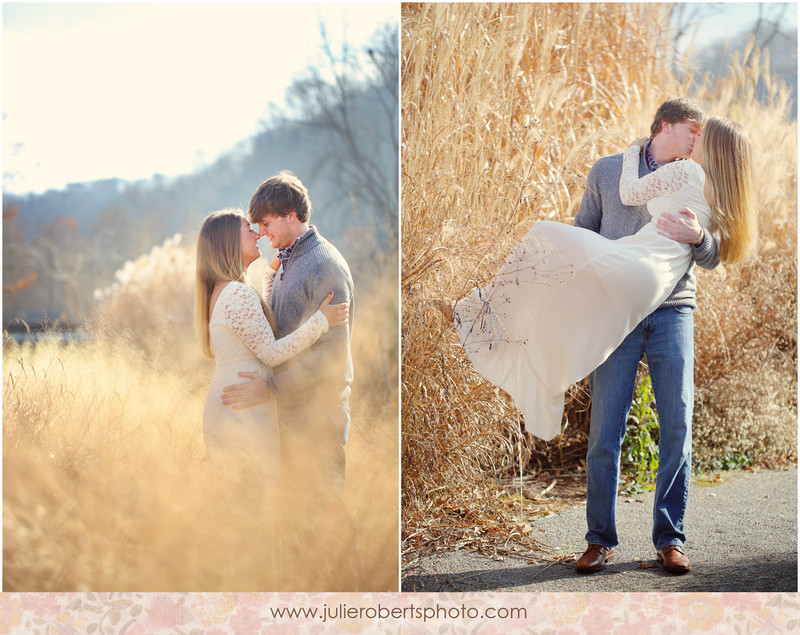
104 483
505 109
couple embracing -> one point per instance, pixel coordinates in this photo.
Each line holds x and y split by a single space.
596 297
278 401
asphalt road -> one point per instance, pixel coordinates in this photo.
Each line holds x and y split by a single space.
741 536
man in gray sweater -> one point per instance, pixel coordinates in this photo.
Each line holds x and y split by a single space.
665 337
312 389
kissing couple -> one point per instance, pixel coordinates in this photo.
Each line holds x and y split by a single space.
616 287
288 423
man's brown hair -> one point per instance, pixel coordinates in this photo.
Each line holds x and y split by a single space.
278 196
675 111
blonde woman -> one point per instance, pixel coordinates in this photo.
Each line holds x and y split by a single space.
597 296
237 329
565 298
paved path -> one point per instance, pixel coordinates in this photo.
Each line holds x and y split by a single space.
742 536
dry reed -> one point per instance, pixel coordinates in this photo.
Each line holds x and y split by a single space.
505 108
105 486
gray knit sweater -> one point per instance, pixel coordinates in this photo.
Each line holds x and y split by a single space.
323 372
602 211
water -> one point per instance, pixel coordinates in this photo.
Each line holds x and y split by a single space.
34 337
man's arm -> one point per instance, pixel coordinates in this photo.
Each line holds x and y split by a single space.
590 212
247 394
323 367
684 228
706 253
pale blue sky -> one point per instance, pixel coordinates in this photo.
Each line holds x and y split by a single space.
129 90
95 91
723 20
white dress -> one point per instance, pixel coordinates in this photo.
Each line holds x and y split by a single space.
243 341
566 297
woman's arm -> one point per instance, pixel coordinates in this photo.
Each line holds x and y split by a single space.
666 180
244 315
269 278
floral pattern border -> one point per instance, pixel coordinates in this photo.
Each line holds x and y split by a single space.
245 613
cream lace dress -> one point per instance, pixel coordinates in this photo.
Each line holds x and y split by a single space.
242 341
566 297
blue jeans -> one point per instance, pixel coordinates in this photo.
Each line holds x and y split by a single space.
666 337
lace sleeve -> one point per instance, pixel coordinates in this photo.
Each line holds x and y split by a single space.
269 278
666 180
244 315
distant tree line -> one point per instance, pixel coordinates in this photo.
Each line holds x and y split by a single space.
339 135
771 33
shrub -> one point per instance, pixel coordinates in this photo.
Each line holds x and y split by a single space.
639 461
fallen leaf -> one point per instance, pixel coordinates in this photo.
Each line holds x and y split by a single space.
548 488
647 565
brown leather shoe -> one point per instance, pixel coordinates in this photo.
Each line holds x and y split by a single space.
674 560
593 559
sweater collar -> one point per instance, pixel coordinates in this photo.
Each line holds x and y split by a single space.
297 247
305 240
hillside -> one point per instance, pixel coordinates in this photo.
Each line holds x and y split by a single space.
59 246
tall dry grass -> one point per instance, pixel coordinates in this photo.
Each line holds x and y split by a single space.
505 108
104 482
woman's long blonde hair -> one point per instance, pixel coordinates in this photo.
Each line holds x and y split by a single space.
219 259
729 164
